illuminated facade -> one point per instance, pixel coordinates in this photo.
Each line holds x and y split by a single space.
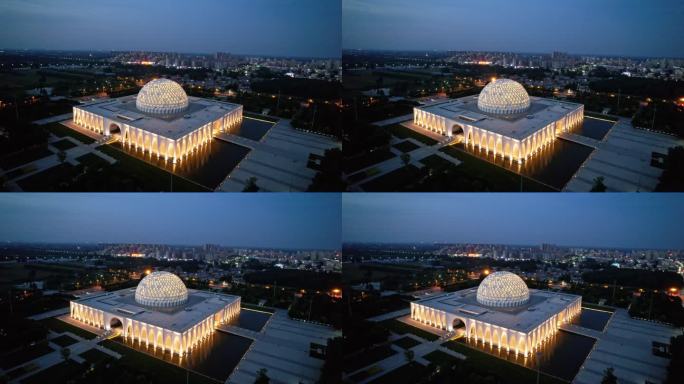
500 312
503 119
159 312
161 119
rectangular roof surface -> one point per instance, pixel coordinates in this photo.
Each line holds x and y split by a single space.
199 112
200 305
542 306
541 113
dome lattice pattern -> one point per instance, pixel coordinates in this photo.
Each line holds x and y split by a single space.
503 97
162 96
503 289
161 289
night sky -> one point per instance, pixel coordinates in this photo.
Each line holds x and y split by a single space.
623 220
303 28
621 27
287 220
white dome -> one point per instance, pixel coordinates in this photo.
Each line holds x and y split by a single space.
503 96
162 96
161 289
503 289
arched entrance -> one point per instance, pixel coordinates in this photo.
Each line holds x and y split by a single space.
456 130
115 323
114 129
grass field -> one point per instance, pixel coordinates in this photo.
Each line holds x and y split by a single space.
503 370
402 132
64 340
406 342
63 144
23 157
392 181
406 146
59 326
401 328
24 355
60 130
154 370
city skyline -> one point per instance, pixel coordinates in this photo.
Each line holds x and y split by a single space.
628 28
310 221
589 220
304 28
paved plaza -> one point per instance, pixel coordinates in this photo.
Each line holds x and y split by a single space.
279 161
625 346
623 159
282 347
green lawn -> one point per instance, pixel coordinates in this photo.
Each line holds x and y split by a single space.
144 177
61 130
50 179
402 328
392 181
26 354
63 144
135 364
95 356
408 373
60 373
475 174
486 364
92 161
366 358
406 146
442 359
64 340
402 132
59 326
16 159
406 342
353 164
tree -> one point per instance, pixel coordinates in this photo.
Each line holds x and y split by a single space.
609 377
251 185
61 155
66 352
405 158
262 378
598 185
409 355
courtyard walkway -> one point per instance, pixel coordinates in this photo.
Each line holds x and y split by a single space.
626 347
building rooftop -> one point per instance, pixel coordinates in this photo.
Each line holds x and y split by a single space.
541 306
173 126
199 306
540 113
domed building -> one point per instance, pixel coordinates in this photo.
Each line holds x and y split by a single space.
162 96
503 289
159 312
503 97
501 312
160 120
161 289
503 119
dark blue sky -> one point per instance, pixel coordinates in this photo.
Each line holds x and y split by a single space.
622 27
306 28
287 220
631 220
